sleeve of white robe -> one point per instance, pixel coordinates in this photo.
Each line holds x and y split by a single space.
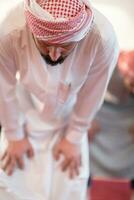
9 108
91 95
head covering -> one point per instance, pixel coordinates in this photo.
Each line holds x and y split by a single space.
126 63
59 21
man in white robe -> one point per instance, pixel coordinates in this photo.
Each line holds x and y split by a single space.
64 57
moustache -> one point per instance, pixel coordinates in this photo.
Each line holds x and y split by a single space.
49 61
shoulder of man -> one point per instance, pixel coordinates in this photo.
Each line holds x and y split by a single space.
103 28
13 25
13 20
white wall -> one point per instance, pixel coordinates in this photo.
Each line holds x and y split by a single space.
119 12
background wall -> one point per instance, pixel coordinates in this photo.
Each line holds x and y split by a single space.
119 12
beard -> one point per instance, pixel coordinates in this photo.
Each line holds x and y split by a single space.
49 61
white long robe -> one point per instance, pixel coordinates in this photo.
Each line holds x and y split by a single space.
52 102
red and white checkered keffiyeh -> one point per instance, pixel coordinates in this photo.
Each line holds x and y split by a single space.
126 63
58 21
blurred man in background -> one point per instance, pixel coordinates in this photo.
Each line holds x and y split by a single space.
63 58
112 132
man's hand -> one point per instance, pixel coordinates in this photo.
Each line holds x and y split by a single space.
13 155
71 154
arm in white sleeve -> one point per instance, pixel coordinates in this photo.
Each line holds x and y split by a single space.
9 108
91 95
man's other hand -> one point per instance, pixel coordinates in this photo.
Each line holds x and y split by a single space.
71 156
13 156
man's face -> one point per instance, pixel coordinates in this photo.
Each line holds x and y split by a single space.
54 54
129 84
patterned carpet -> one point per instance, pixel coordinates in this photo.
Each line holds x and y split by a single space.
110 190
